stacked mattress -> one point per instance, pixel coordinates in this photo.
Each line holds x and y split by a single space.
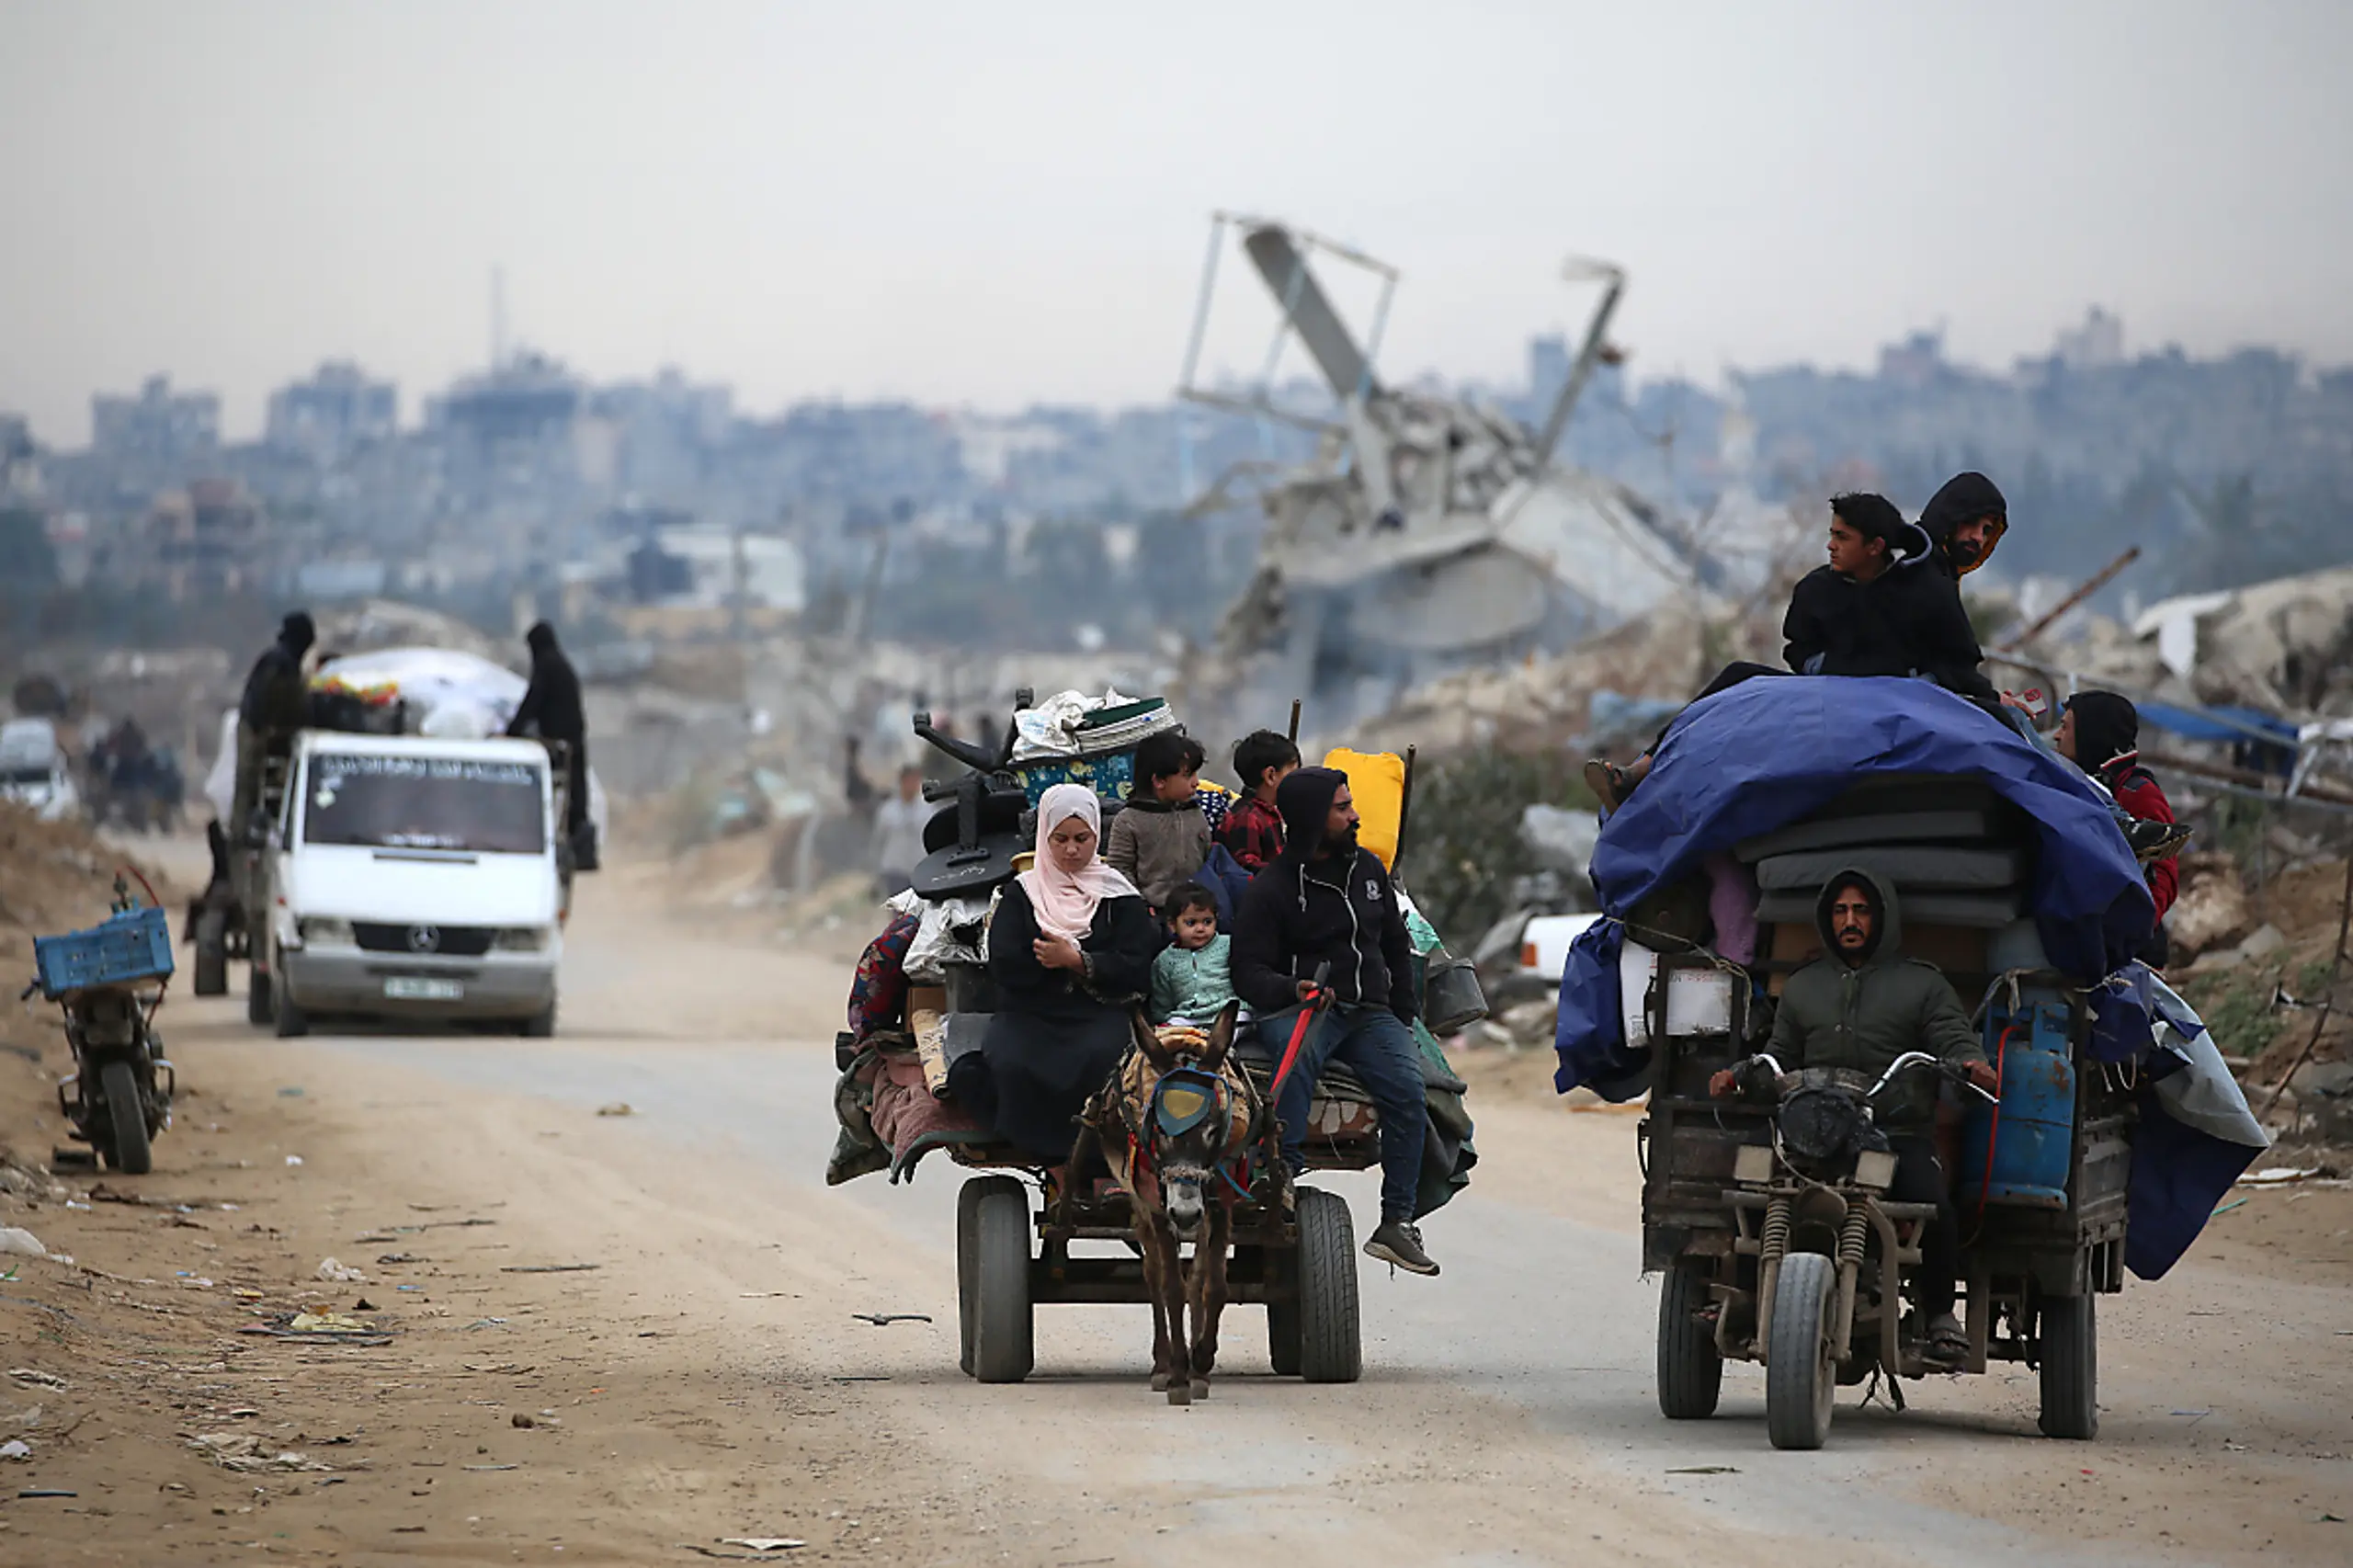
1955 852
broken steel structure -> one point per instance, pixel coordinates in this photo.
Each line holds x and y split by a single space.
1427 531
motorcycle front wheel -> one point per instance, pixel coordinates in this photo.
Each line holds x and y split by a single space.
126 1113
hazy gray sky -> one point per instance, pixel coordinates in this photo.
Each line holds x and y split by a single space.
989 204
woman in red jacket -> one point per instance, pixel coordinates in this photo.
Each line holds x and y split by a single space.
2100 733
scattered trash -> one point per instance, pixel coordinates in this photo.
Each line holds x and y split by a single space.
294 1159
764 1542
364 1305
329 1322
2328 1519
15 1448
292 1092
2277 1175
884 1320
550 1268
761 1295
487 1322
1706 1470
490 1467
43 1380
393 1257
2235 1448
861 1378
520 1420
618 1108
2235 1203
47 1492
339 1273
13 1240
241 1451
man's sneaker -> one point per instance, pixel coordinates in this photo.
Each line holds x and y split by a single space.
1398 1241
2155 840
1948 1342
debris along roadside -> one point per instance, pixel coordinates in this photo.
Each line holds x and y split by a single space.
133 1385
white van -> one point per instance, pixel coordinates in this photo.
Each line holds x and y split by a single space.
417 877
33 769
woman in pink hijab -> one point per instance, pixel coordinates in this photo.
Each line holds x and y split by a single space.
1069 949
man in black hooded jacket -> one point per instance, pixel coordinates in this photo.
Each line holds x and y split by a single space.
1326 903
275 702
1964 521
551 710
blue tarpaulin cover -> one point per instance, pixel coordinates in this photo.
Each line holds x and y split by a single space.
1768 752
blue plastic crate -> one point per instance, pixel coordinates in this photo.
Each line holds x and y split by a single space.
131 946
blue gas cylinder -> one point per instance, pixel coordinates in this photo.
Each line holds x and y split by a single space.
2033 1138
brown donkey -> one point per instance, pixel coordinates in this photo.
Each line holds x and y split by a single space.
1175 1124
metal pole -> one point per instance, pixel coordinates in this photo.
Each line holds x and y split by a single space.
1405 812
1293 732
2089 586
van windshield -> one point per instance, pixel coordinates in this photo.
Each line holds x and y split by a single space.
414 802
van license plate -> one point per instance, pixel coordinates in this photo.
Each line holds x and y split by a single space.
406 988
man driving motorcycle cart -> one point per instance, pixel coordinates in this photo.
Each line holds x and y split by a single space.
1860 1007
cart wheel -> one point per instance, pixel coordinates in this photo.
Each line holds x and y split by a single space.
1330 1350
1690 1372
2070 1353
1281 1271
1283 1337
540 1025
1799 1382
127 1117
968 1201
1002 1347
257 1007
211 954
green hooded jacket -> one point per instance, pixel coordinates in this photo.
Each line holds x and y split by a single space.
1862 1017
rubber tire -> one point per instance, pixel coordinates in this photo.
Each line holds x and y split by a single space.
968 1199
1801 1385
1004 1348
128 1140
1331 1349
1690 1372
2069 1331
540 1025
258 1009
1284 1336
211 954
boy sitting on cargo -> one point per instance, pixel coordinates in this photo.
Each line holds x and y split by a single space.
1192 980
1160 838
1253 834
1861 1007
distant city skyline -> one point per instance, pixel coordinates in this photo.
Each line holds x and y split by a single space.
996 208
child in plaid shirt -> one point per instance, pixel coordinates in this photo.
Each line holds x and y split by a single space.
1253 833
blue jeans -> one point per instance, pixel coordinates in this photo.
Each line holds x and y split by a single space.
1380 1047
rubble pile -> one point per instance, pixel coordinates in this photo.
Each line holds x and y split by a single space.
2285 646
1541 703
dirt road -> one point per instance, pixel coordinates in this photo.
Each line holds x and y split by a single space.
706 1378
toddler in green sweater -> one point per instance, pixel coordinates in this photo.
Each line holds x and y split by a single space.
1191 981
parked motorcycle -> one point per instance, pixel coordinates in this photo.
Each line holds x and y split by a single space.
108 981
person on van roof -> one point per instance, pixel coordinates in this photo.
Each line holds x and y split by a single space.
551 710
1860 1007
275 699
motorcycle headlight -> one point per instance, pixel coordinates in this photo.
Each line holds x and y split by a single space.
321 931
521 940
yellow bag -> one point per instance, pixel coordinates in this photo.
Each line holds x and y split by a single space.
1376 784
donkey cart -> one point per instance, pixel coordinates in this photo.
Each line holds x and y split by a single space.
1016 1248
